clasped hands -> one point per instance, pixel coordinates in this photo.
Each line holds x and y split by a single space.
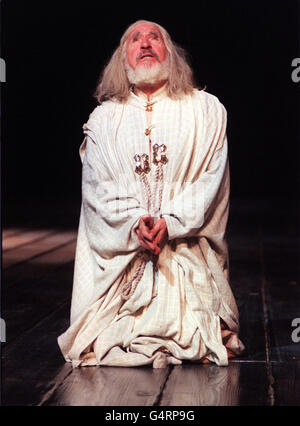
152 236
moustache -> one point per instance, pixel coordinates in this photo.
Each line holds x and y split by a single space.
145 53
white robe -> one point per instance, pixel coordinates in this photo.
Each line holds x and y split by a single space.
174 313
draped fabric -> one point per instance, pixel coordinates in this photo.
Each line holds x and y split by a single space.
176 311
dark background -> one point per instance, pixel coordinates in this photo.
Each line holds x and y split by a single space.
54 51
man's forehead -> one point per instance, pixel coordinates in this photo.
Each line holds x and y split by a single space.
144 29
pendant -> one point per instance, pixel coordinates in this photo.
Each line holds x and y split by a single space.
148 106
159 155
141 163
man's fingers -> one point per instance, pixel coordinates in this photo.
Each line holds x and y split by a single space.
146 234
146 244
152 247
150 234
156 228
159 237
143 244
148 220
159 226
145 231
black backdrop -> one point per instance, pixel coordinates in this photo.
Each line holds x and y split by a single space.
54 51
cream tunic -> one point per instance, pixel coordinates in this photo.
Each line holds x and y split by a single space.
174 313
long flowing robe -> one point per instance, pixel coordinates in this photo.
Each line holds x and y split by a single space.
176 310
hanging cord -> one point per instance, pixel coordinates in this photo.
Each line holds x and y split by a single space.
156 196
154 199
159 159
129 288
147 190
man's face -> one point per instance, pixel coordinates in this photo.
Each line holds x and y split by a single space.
145 46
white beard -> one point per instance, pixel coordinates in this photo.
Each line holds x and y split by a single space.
145 74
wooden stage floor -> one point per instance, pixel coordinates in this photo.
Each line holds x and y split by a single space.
36 292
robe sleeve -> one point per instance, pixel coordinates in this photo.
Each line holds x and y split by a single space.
206 199
111 214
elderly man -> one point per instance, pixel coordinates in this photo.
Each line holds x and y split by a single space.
151 268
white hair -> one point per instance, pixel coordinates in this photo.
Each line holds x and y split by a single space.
117 79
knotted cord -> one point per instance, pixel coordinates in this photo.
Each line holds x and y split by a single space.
156 196
154 199
129 287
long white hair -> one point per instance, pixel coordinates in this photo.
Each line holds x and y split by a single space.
114 84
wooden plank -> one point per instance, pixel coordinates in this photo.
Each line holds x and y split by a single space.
245 275
283 307
245 283
33 249
33 364
8 232
280 252
35 299
240 383
39 267
287 383
110 386
26 237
